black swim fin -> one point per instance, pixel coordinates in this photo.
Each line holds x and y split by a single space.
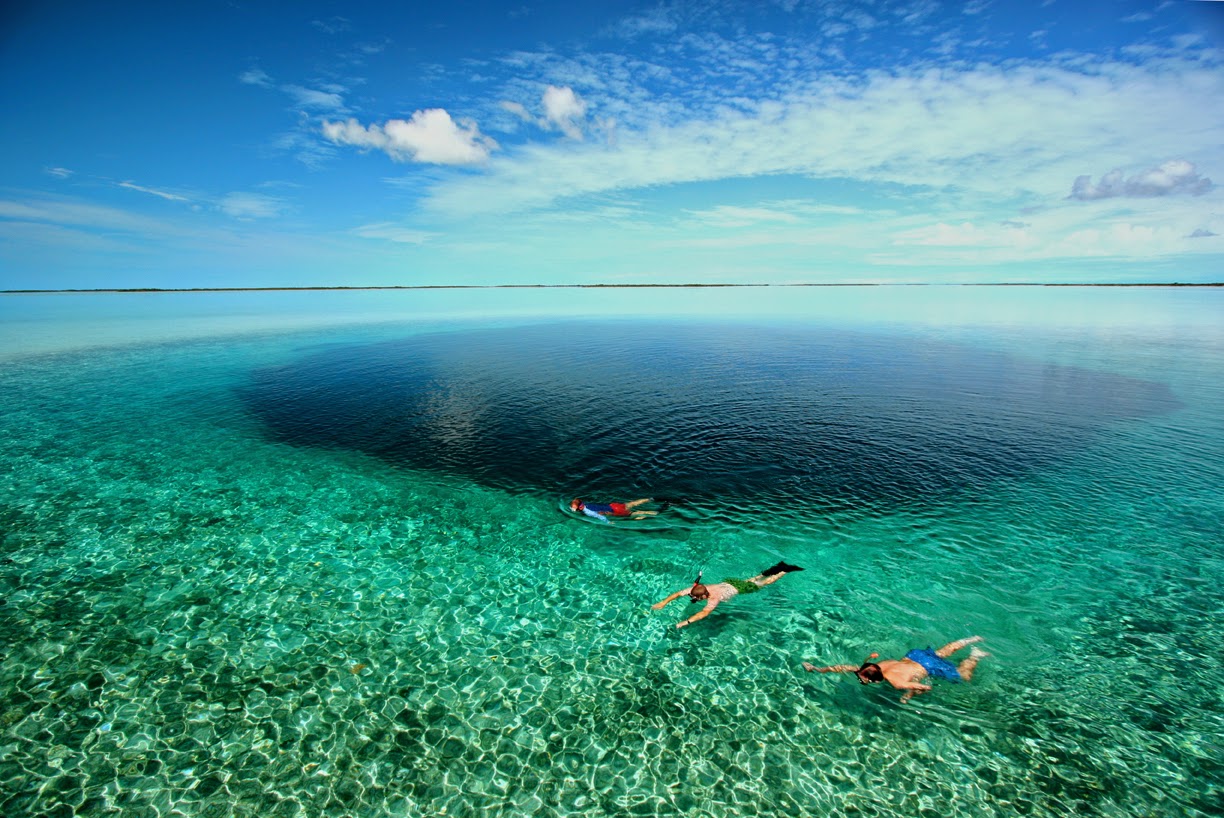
780 568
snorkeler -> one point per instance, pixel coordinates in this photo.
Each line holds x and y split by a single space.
722 591
602 511
907 674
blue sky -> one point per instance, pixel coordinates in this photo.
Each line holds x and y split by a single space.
154 144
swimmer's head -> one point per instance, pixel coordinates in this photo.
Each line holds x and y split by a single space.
576 504
698 592
869 672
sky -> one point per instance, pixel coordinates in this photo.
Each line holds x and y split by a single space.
299 144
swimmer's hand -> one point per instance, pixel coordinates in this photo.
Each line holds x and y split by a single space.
658 606
682 623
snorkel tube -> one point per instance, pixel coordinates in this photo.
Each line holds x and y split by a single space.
698 588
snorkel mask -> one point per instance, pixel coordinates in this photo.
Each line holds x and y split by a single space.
869 672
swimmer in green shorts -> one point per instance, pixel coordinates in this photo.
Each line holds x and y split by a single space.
712 595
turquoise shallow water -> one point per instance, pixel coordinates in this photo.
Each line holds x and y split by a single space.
205 615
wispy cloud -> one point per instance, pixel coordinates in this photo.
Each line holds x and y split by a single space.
240 205
312 105
328 97
966 234
656 21
430 136
161 194
389 231
732 216
563 109
517 109
251 206
1174 177
373 47
777 213
1009 130
70 213
313 99
58 173
255 76
332 25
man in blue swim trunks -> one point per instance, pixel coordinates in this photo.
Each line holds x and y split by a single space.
907 674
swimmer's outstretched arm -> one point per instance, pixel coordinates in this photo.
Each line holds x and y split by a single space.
911 690
702 614
809 667
674 596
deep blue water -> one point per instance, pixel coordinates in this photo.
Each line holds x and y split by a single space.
738 419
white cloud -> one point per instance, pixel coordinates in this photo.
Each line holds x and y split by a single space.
173 197
562 109
793 212
376 47
732 216
656 21
59 173
70 213
388 231
1173 177
1018 130
59 238
316 100
250 206
517 109
1099 230
431 136
332 25
255 76
966 234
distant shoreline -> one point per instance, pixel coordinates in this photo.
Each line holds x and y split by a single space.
581 287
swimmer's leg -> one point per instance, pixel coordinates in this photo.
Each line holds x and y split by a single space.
774 573
952 647
631 506
637 515
967 666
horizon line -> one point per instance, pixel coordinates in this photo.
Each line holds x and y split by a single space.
342 287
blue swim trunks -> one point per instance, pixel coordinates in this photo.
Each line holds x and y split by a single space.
936 666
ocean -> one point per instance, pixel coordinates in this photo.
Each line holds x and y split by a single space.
306 553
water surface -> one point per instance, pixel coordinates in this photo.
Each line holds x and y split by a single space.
253 566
